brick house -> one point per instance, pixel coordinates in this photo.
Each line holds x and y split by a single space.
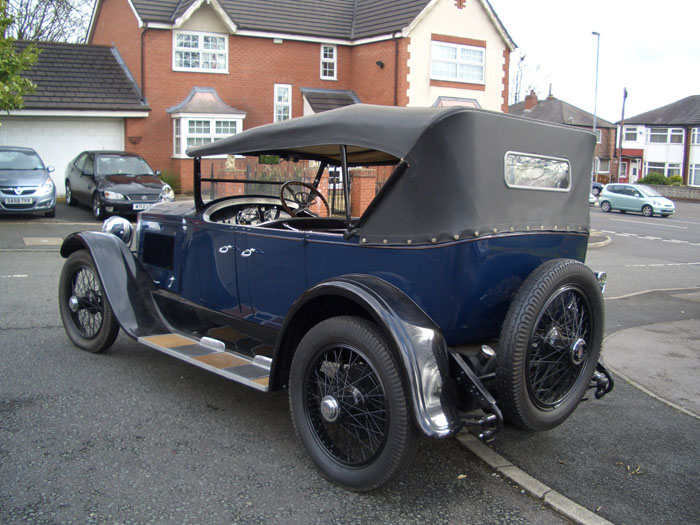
554 110
209 69
665 140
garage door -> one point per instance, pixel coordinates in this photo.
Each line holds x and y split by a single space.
58 141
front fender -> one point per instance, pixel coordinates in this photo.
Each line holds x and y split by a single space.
417 340
127 285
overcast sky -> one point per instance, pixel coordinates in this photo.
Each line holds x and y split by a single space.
650 47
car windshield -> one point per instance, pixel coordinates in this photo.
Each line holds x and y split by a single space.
122 165
265 175
20 160
649 192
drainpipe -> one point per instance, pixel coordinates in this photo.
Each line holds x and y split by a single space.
685 169
143 65
396 67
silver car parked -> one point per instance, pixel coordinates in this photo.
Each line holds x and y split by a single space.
25 183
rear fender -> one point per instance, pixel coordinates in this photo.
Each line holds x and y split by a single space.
127 285
415 339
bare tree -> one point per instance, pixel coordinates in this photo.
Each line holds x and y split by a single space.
523 77
50 20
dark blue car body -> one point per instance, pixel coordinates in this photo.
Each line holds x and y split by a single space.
481 211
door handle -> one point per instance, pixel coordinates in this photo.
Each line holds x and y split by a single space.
250 251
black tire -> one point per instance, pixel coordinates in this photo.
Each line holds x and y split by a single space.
605 206
85 311
595 191
349 406
647 210
98 208
70 199
550 344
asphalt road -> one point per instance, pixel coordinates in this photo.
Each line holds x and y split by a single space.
134 436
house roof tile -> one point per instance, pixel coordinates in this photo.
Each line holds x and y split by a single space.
324 99
343 19
81 77
554 110
682 112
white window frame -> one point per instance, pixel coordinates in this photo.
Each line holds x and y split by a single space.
695 136
201 51
278 104
629 129
598 136
182 133
331 62
458 48
599 165
694 174
669 168
667 134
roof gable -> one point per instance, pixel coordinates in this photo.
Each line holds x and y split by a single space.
81 77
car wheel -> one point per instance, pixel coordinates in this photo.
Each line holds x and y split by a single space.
85 311
550 343
70 200
348 404
98 209
595 191
50 213
647 210
605 206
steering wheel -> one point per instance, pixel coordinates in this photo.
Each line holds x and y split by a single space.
305 197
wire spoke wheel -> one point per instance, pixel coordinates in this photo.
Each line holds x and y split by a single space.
347 405
85 311
558 355
549 345
86 303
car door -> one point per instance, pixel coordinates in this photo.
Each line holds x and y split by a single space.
84 181
272 273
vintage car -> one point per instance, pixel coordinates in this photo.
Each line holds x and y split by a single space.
457 298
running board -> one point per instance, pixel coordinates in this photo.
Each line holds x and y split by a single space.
211 355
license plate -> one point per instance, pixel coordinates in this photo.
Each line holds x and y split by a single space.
138 207
19 200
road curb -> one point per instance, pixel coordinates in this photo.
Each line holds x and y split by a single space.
532 486
606 241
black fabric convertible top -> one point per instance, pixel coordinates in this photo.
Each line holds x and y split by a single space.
455 184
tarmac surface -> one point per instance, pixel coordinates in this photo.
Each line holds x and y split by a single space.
653 365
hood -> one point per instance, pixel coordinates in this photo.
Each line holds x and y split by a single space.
23 177
129 183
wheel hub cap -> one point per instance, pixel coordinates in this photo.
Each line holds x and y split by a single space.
578 351
330 409
73 303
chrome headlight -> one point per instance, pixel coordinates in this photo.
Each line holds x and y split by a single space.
167 193
114 196
119 227
47 187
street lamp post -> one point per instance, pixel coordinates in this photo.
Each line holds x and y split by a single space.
595 98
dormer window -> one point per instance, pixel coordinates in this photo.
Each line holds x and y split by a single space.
329 62
200 52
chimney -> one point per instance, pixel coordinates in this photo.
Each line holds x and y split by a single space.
531 100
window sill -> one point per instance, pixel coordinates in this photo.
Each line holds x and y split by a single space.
457 84
189 70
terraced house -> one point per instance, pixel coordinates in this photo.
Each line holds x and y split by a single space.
208 69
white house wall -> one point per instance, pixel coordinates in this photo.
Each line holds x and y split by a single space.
469 22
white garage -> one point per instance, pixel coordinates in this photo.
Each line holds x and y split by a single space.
59 140
85 98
